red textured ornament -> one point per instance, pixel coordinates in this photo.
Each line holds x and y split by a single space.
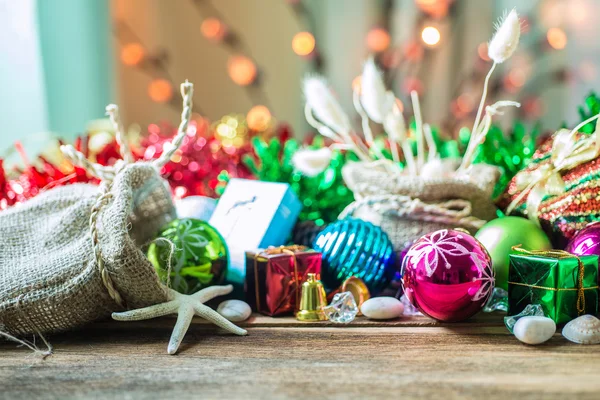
448 275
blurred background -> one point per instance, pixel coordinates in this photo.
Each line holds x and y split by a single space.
64 60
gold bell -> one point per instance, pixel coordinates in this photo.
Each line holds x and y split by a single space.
312 301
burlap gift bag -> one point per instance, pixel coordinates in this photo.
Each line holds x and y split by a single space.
73 254
407 207
405 192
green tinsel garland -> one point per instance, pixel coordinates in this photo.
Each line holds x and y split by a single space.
592 102
323 196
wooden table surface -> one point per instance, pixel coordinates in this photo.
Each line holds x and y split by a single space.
283 358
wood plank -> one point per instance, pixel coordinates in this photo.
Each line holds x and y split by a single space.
414 357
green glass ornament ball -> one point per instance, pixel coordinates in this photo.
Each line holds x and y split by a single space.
199 257
500 235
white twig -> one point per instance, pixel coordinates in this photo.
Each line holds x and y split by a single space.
431 146
366 127
419 129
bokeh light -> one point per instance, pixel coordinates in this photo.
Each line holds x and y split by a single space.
435 8
232 132
557 38
588 71
356 83
412 84
214 29
516 78
160 90
482 50
378 40
241 70
431 36
303 43
132 54
258 118
413 51
465 103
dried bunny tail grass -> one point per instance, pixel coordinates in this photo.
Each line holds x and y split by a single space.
312 162
369 138
373 95
501 48
506 39
324 105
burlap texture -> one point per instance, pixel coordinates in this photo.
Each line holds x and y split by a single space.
475 186
49 278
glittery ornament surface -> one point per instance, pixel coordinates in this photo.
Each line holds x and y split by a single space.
193 252
448 275
563 215
352 247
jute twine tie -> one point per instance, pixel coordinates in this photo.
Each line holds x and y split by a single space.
451 212
107 175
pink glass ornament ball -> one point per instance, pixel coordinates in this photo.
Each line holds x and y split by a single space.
448 275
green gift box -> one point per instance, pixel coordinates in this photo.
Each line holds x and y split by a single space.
564 285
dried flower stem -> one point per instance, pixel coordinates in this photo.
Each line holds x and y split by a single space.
431 147
366 127
419 129
473 141
329 133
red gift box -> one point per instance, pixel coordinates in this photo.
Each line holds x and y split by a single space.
274 278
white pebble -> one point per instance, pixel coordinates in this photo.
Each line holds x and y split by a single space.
534 330
382 308
234 310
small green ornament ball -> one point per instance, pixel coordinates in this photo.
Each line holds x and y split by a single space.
198 260
500 235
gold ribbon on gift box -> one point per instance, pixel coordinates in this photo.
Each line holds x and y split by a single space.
291 250
559 254
568 151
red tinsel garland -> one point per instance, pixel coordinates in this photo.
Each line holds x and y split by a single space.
202 165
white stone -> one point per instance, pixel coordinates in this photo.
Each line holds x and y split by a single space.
534 330
234 310
382 308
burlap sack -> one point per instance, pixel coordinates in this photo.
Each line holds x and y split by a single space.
72 255
49 275
408 207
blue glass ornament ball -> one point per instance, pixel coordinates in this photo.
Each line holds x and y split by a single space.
353 247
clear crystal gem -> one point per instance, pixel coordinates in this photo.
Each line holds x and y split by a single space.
409 309
498 301
342 309
530 310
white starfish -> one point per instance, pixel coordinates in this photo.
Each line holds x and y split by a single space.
185 306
